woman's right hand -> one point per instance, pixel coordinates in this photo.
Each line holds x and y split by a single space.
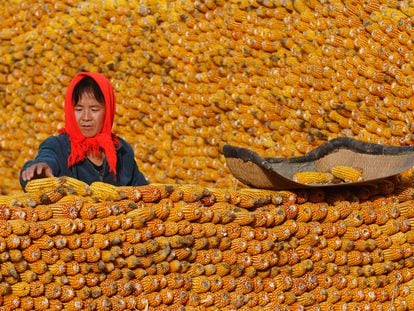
38 170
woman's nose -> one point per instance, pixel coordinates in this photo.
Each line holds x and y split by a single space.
86 115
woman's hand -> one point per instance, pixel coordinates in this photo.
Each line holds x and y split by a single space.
38 170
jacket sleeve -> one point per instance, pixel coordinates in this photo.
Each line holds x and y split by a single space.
138 178
50 152
128 171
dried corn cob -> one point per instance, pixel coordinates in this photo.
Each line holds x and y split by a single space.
313 177
104 191
74 186
42 185
347 173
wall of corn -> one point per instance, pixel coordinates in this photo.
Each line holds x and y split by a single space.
65 245
280 77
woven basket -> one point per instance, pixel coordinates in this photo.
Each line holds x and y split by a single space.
376 161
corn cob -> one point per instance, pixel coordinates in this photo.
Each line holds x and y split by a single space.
19 226
21 289
22 199
313 177
66 207
104 192
347 173
51 196
74 186
130 192
149 193
42 185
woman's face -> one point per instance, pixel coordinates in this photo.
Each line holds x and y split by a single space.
89 114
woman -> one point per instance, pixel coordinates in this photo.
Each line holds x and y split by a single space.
86 148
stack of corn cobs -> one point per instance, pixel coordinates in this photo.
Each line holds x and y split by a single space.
66 245
279 77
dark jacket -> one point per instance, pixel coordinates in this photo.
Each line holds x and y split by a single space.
55 152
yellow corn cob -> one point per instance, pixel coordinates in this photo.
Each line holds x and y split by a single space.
130 192
66 208
142 214
75 186
313 177
19 226
149 193
200 284
51 196
21 289
28 276
8 269
243 216
21 199
42 185
5 200
249 198
104 191
347 173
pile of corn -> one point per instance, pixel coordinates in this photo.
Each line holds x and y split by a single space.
280 77
68 246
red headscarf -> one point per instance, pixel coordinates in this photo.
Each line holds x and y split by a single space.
105 140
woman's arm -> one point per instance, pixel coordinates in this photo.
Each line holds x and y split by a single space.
45 164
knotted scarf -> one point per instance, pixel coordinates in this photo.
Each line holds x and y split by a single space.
81 146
